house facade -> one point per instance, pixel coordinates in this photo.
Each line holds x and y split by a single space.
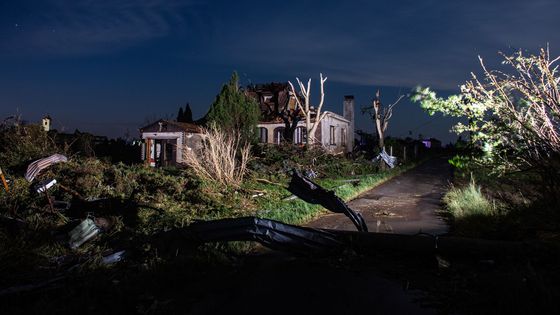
335 132
163 142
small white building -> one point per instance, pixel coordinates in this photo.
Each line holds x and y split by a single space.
46 123
163 142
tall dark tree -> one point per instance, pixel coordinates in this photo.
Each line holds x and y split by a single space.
180 115
233 110
188 114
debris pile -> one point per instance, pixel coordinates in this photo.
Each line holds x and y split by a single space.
97 223
390 160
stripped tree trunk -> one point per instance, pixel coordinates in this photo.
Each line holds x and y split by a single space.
308 110
382 115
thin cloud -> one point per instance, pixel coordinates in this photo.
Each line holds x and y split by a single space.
434 42
92 27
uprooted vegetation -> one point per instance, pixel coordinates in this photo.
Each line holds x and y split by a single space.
132 204
135 204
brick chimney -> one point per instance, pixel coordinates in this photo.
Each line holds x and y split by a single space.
349 114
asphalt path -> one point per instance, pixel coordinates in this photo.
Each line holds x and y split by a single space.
406 204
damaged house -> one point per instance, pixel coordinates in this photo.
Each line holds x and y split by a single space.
283 121
164 140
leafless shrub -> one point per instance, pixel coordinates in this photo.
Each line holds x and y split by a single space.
221 158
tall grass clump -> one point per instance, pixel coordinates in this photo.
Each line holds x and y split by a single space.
468 201
221 158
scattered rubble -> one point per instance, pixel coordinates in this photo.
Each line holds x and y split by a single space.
44 185
385 213
85 231
113 258
390 160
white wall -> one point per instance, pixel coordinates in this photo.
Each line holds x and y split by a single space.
331 119
339 123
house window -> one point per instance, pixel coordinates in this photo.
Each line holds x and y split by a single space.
263 135
343 136
278 134
300 135
333 136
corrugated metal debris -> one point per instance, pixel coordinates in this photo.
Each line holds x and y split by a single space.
36 167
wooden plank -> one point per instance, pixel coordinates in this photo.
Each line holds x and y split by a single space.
4 180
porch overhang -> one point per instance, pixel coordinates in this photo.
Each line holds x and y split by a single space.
161 135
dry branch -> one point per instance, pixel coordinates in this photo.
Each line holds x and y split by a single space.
221 159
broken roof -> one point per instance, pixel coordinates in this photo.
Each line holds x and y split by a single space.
163 125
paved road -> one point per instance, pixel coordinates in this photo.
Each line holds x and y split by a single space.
281 285
406 204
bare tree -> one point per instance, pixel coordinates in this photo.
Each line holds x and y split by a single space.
309 110
381 115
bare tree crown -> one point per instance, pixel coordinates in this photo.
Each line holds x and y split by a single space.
307 109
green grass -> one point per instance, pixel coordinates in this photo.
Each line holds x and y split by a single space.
474 214
145 201
273 206
468 201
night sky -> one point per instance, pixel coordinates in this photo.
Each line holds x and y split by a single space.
109 66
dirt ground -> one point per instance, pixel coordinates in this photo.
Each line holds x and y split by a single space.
406 204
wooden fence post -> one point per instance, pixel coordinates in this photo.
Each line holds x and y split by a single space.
4 181
148 151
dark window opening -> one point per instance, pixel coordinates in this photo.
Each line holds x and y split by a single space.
263 135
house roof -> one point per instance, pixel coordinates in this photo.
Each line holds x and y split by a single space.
272 98
337 116
163 125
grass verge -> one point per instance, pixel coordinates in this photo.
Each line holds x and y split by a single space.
468 201
297 211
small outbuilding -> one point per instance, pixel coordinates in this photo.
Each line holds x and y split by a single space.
163 142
